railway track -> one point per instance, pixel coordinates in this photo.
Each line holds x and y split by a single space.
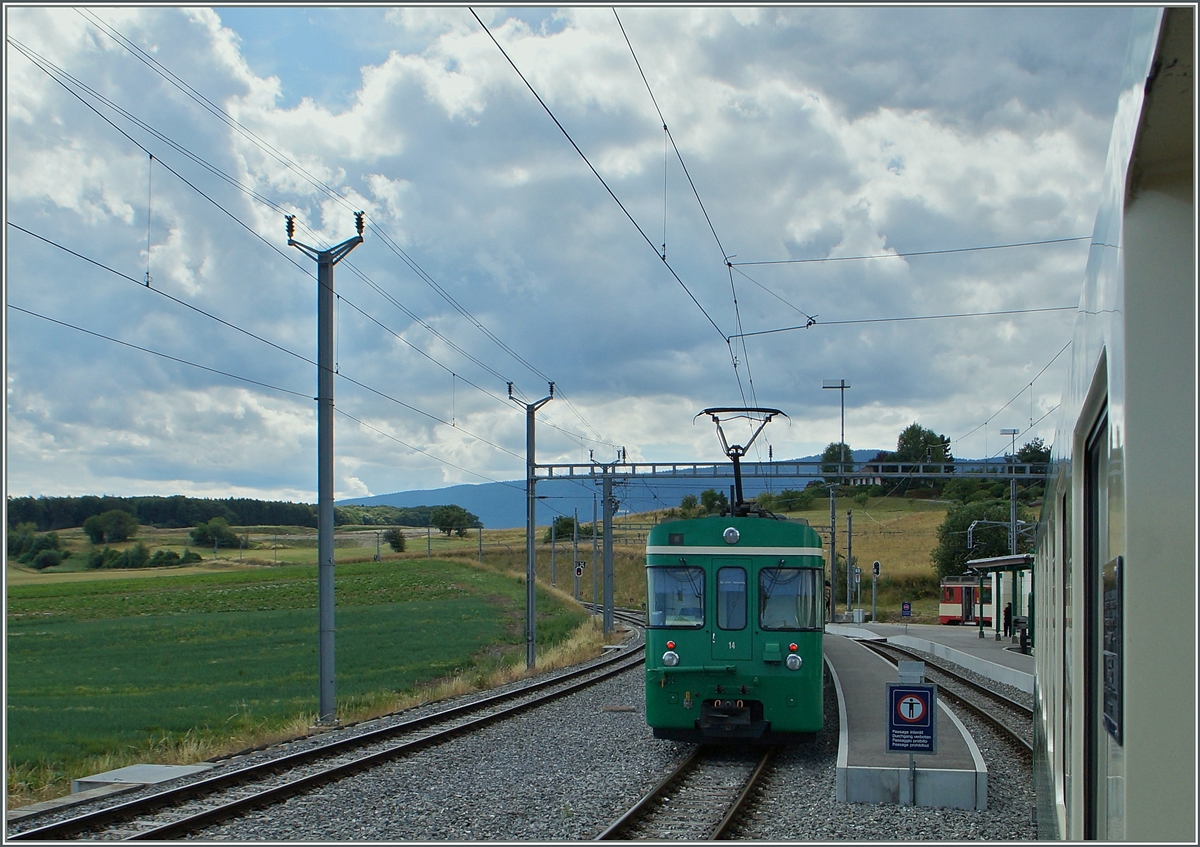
1013 719
698 801
175 812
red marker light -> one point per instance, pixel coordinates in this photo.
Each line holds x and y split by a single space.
793 647
670 645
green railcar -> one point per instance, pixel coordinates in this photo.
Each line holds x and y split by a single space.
735 612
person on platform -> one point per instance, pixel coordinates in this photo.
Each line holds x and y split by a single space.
1007 620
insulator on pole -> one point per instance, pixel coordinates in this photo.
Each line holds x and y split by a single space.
291 225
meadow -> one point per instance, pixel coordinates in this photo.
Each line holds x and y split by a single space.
174 668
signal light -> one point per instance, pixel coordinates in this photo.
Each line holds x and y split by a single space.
670 645
793 647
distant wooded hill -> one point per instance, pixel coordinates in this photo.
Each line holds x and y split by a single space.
51 513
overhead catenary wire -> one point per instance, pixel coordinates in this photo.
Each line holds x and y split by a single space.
596 173
270 343
911 253
696 192
245 379
207 104
913 318
46 67
152 63
1018 394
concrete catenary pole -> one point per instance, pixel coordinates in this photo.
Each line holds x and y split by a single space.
326 259
530 517
833 586
609 508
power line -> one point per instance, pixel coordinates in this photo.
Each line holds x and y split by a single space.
156 353
813 322
611 194
917 252
207 104
724 255
264 340
272 205
158 68
1018 394
162 293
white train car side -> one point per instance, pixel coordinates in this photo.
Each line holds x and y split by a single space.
1115 565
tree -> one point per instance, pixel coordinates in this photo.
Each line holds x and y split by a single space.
452 518
918 444
395 539
837 458
111 526
713 501
564 529
215 531
989 539
1033 452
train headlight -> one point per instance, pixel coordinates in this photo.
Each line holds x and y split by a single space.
793 661
731 535
670 658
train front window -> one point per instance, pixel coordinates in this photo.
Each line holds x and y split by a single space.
731 598
676 596
790 598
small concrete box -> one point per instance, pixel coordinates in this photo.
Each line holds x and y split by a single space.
137 775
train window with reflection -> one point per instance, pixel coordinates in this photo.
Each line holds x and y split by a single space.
676 596
790 598
731 598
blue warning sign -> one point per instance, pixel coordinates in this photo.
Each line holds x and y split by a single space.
912 717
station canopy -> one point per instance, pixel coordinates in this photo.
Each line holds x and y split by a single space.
1016 562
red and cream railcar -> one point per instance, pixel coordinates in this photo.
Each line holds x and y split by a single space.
962 602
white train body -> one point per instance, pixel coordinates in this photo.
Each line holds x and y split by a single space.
1115 564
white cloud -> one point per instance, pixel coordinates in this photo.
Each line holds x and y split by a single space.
808 132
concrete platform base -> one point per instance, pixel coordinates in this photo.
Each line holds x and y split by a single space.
947 789
137 775
954 778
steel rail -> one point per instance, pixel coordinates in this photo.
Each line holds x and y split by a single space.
742 799
614 830
144 806
693 766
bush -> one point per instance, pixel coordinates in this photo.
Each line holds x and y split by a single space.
47 559
164 559
20 539
188 557
395 539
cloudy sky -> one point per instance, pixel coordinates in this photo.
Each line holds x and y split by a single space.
171 142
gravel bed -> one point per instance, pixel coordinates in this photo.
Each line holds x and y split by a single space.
565 771
797 803
561 772
1011 692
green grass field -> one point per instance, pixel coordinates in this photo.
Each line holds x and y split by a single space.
105 672
110 667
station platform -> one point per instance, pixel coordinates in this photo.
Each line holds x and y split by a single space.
955 777
1000 660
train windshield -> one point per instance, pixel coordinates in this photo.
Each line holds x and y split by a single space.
790 598
676 596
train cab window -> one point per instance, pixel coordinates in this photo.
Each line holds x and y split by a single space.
731 598
676 596
790 598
